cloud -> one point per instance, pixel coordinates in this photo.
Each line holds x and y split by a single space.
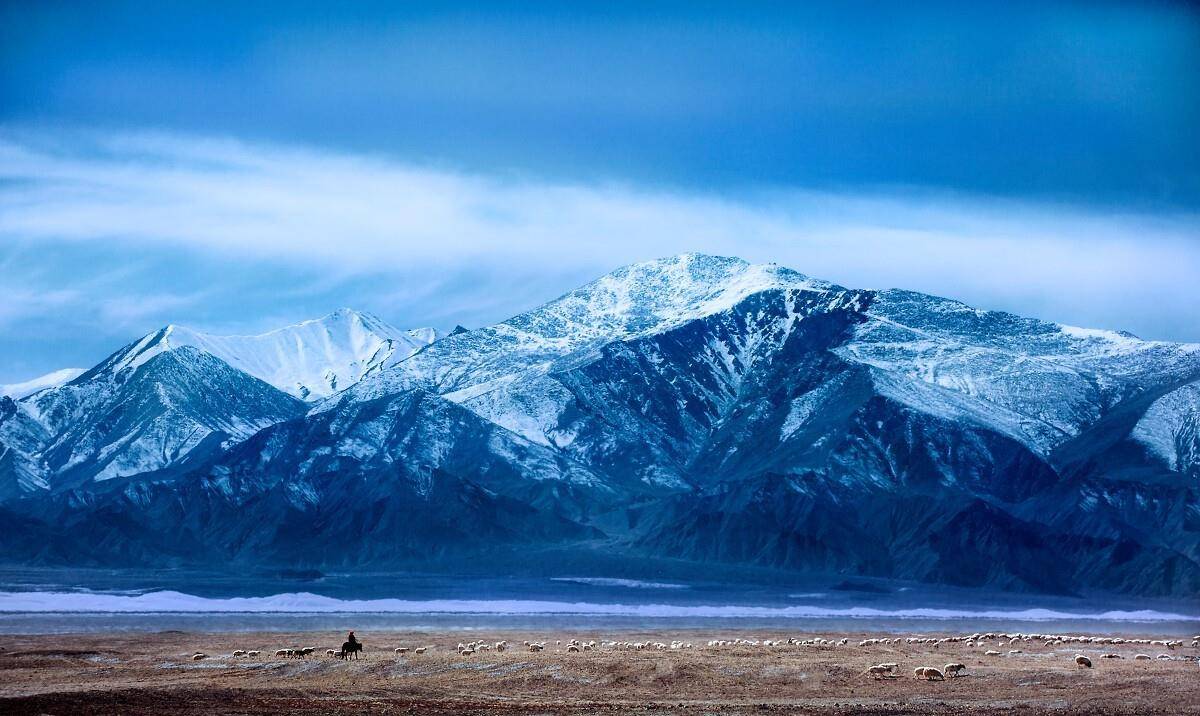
201 226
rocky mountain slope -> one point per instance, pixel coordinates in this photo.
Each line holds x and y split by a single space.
697 409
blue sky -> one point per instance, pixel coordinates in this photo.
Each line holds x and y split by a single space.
242 167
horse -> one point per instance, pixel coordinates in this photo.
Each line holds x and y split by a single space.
350 649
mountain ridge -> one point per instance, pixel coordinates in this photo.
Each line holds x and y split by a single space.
309 360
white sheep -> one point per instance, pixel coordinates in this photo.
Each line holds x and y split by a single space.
877 672
991 652
402 650
198 656
1142 657
1083 661
953 669
239 652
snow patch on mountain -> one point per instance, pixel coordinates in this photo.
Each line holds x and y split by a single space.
1170 428
16 391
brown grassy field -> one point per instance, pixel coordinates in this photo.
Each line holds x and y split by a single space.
154 673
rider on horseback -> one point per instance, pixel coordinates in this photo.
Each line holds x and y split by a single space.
351 648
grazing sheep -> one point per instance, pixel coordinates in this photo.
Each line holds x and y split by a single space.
420 649
1082 660
198 656
919 672
1142 657
991 652
878 672
953 669
890 666
253 653
239 652
572 647
281 652
402 650
1110 656
929 673
1164 656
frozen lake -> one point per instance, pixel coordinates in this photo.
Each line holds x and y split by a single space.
56 601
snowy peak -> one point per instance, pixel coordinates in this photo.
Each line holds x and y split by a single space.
309 360
634 301
654 295
16 391
126 423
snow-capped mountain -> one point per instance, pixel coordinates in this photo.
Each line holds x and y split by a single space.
16 391
634 301
152 404
703 409
309 360
170 407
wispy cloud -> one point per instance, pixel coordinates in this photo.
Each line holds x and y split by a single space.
201 219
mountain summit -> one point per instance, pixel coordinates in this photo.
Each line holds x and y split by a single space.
309 360
696 409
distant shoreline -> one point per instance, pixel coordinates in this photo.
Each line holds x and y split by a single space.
173 602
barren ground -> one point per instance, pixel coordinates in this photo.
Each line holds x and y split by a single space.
154 673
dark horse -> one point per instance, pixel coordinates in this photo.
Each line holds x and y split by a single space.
350 649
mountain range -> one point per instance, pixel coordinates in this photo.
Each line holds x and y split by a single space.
693 410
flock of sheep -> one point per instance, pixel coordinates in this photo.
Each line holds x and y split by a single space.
879 671
932 673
